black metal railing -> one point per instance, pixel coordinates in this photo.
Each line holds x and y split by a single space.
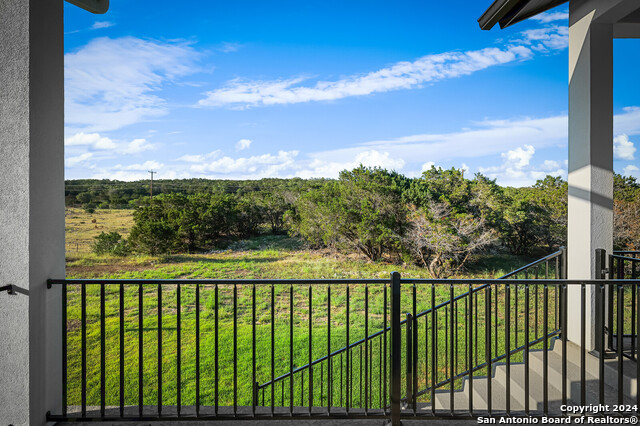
620 306
185 349
446 312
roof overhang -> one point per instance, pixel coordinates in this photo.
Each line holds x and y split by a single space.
93 6
509 12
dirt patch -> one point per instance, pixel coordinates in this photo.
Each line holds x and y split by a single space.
73 324
102 270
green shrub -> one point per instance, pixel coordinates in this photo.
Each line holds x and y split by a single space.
111 243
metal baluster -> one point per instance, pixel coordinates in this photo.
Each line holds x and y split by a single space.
121 350
178 355
545 353
470 351
216 358
451 358
414 358
140 350
273 357
527 346
507 338
235 349
619 342
254 379
434 348
329 382
83 348
198 349
348 356
64 349
366 349
159 350
290 350
102 352
488 345
310 348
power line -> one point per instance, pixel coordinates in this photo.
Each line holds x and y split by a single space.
151 187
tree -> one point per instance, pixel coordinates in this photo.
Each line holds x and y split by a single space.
362 211
441 241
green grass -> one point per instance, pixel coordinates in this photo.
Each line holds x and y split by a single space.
260 258
244 328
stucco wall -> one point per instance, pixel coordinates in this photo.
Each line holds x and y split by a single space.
31 206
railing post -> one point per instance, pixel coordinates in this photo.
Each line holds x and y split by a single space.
409 353
601 258
396 349
563 263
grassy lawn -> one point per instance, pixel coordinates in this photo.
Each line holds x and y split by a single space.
262 257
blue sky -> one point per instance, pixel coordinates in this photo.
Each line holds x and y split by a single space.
253 89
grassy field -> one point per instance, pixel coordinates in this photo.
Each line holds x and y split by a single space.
262 257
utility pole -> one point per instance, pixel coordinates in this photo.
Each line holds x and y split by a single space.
151 187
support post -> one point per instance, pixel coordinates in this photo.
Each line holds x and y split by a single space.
31 208
590 224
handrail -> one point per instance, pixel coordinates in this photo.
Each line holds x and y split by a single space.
14 290
485 284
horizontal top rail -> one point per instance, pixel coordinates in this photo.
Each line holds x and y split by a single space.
192 281
626 252
443 281
619 256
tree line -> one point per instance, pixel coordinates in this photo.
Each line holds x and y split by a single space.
436 220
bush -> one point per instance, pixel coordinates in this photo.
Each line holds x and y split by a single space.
111 243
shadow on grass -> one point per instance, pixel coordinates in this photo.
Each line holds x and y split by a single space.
197 259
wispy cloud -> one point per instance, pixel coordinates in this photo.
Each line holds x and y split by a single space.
112 83
102 24
239 93
200 158
229 47
551 17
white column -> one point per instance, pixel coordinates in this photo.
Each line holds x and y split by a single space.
31 207
590 157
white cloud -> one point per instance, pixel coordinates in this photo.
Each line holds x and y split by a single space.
516 168
551 17
266 165
243 144
137 146
146 166
331 169
428 69
546 39
93 140
427 166
518 158
77 160
631 170
550 165
111 83
623 148
96 142
101 24
200 158
402 75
